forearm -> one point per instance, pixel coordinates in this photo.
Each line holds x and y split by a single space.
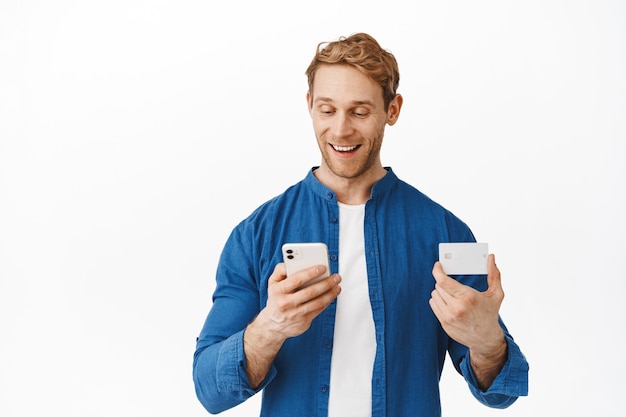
260 348
488 362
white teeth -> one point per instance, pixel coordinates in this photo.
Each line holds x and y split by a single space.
344 148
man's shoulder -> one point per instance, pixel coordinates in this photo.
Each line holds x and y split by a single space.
410 192
423 205
273 207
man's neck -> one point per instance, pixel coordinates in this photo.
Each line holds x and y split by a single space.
350 191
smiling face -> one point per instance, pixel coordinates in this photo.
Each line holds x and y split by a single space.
349 119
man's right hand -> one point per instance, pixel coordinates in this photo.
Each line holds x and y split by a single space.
289 311
290 308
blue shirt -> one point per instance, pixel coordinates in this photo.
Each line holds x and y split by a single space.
402 228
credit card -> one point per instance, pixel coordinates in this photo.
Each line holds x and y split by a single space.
463 258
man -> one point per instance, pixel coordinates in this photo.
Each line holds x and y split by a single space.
371 339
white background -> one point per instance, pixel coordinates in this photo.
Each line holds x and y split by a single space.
135 134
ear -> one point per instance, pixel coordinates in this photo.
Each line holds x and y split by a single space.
394 110
308 100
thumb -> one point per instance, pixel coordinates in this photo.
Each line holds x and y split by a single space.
494 280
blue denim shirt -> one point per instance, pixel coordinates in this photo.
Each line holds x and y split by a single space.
402 230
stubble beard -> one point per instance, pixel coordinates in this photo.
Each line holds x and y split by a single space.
353 169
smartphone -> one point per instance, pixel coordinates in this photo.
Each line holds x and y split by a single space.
299 256
464 258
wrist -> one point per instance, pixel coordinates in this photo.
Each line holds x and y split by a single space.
488 362
261 334
490 351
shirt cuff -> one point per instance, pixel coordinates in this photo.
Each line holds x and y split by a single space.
511 382
231 368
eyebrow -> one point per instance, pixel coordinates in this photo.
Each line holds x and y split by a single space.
354 103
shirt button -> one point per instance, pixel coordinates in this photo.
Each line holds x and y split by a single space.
328 344
324 388
329 196
333 220
333 258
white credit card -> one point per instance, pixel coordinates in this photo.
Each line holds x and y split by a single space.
464 258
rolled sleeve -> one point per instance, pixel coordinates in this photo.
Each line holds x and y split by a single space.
220 375
231 368
511 382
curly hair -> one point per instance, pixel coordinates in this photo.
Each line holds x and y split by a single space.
362 52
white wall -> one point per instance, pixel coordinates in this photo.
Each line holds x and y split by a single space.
135 134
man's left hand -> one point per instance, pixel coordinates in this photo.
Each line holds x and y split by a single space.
471 318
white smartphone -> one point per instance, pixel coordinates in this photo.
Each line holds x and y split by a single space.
299 256
464 258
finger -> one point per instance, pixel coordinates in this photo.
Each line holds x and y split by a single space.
279 274
439 307
318 296
445 283
437 298
438 272
436 307
441 296
301 278
327 287
494 280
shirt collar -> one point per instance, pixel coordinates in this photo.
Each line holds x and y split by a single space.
379 189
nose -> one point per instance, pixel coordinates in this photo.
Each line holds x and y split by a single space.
342 125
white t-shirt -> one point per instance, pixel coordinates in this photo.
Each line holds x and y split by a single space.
354 345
